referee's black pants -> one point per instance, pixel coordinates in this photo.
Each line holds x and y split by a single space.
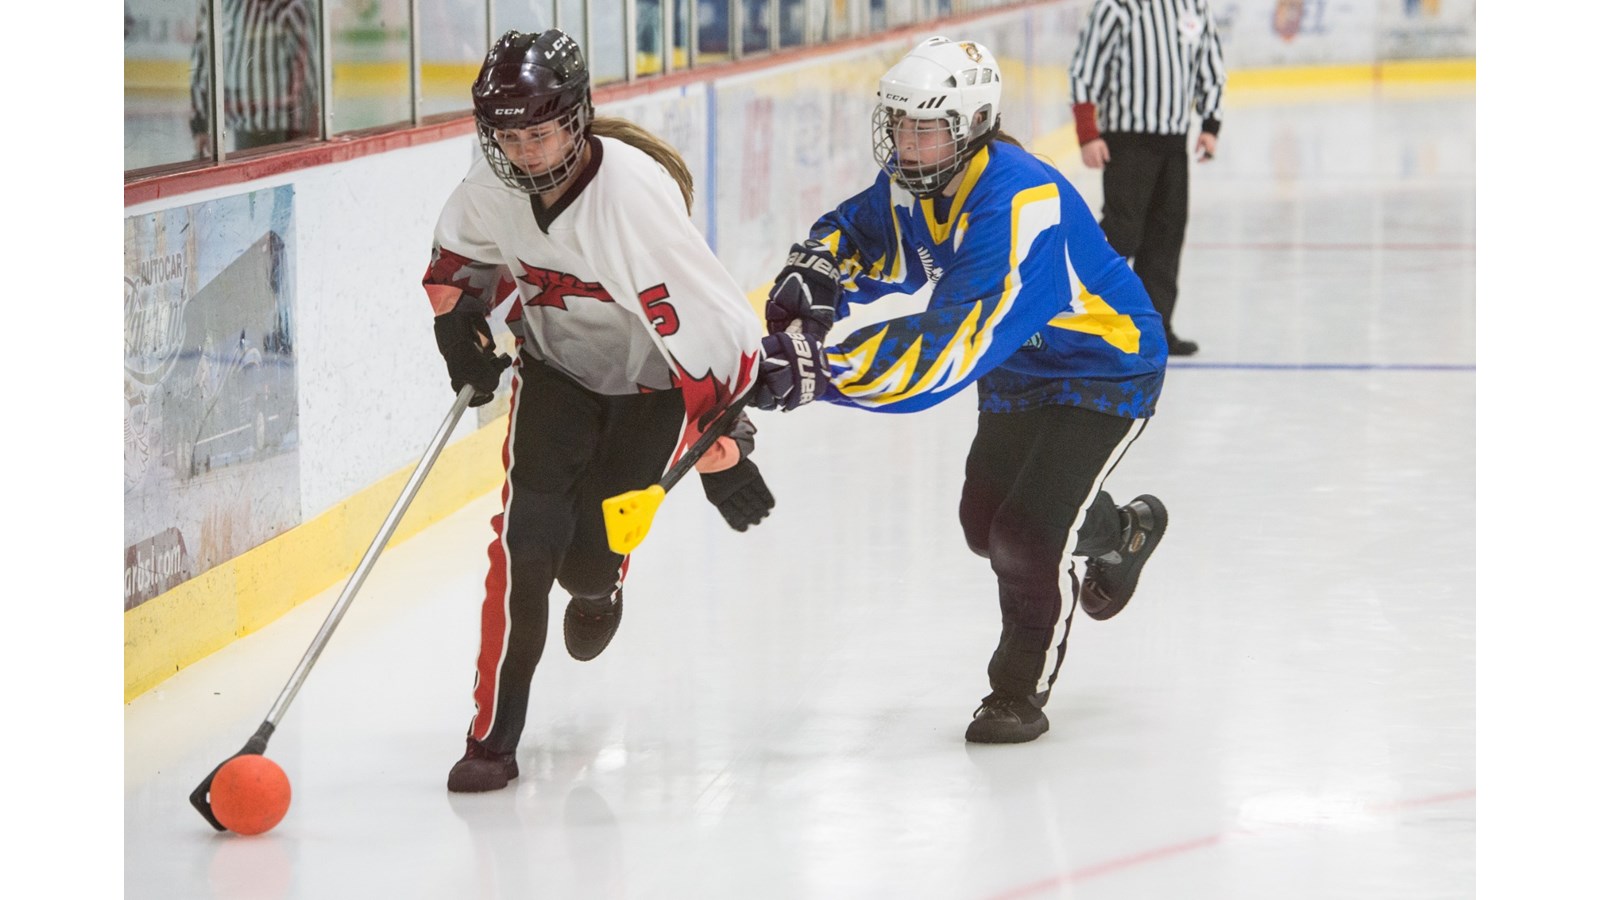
567 450
1033 498
1146 211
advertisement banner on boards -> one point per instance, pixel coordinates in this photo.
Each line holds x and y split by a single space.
210 406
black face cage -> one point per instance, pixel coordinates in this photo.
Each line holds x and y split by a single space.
574 121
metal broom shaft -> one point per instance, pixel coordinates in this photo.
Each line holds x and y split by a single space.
200 796
429 456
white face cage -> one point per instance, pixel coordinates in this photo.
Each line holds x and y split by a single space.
921 154
509 152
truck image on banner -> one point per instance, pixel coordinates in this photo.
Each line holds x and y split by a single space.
210 407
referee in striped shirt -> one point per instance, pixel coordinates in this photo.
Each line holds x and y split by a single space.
271 81
1142 68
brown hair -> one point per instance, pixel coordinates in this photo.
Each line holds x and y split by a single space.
657 149
1004 138
1001 136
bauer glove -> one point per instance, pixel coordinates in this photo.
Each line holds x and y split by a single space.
805 291
790 374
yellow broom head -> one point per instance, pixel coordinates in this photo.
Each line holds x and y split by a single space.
628 517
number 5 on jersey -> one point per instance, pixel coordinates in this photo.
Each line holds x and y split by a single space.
662 315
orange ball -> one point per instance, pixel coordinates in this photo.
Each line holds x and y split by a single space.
249 794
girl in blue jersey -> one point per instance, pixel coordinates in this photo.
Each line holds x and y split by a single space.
1028 300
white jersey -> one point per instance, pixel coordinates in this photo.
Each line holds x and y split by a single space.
617 288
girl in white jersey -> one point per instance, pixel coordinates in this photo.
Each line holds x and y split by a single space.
632 338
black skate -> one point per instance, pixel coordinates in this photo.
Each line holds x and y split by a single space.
1006 719
590 624
1109 580
481 770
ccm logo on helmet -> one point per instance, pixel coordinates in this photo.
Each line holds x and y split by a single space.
898 98
511 112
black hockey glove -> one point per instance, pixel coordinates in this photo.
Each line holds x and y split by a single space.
807 291
739 493
468 351
788 376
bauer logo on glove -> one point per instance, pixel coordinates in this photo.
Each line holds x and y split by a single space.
813 255
787 377
805 371
805 292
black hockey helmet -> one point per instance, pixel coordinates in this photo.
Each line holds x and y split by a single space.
526 80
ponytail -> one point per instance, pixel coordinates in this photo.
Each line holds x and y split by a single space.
1001 136
656 148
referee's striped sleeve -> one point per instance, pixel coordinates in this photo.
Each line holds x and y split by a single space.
1097 39
1146 66
270 64
200 80
1210 75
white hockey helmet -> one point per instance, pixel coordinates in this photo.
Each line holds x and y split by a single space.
950 86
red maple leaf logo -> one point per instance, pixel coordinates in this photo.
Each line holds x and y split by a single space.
446 269
554 288
706 396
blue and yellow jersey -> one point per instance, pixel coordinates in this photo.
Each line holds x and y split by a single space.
1027 297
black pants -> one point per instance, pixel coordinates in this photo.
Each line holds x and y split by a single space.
1032 497
1146 209
567 450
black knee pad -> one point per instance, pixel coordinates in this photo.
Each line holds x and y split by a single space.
975 530
539 524
977 545
1020 558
